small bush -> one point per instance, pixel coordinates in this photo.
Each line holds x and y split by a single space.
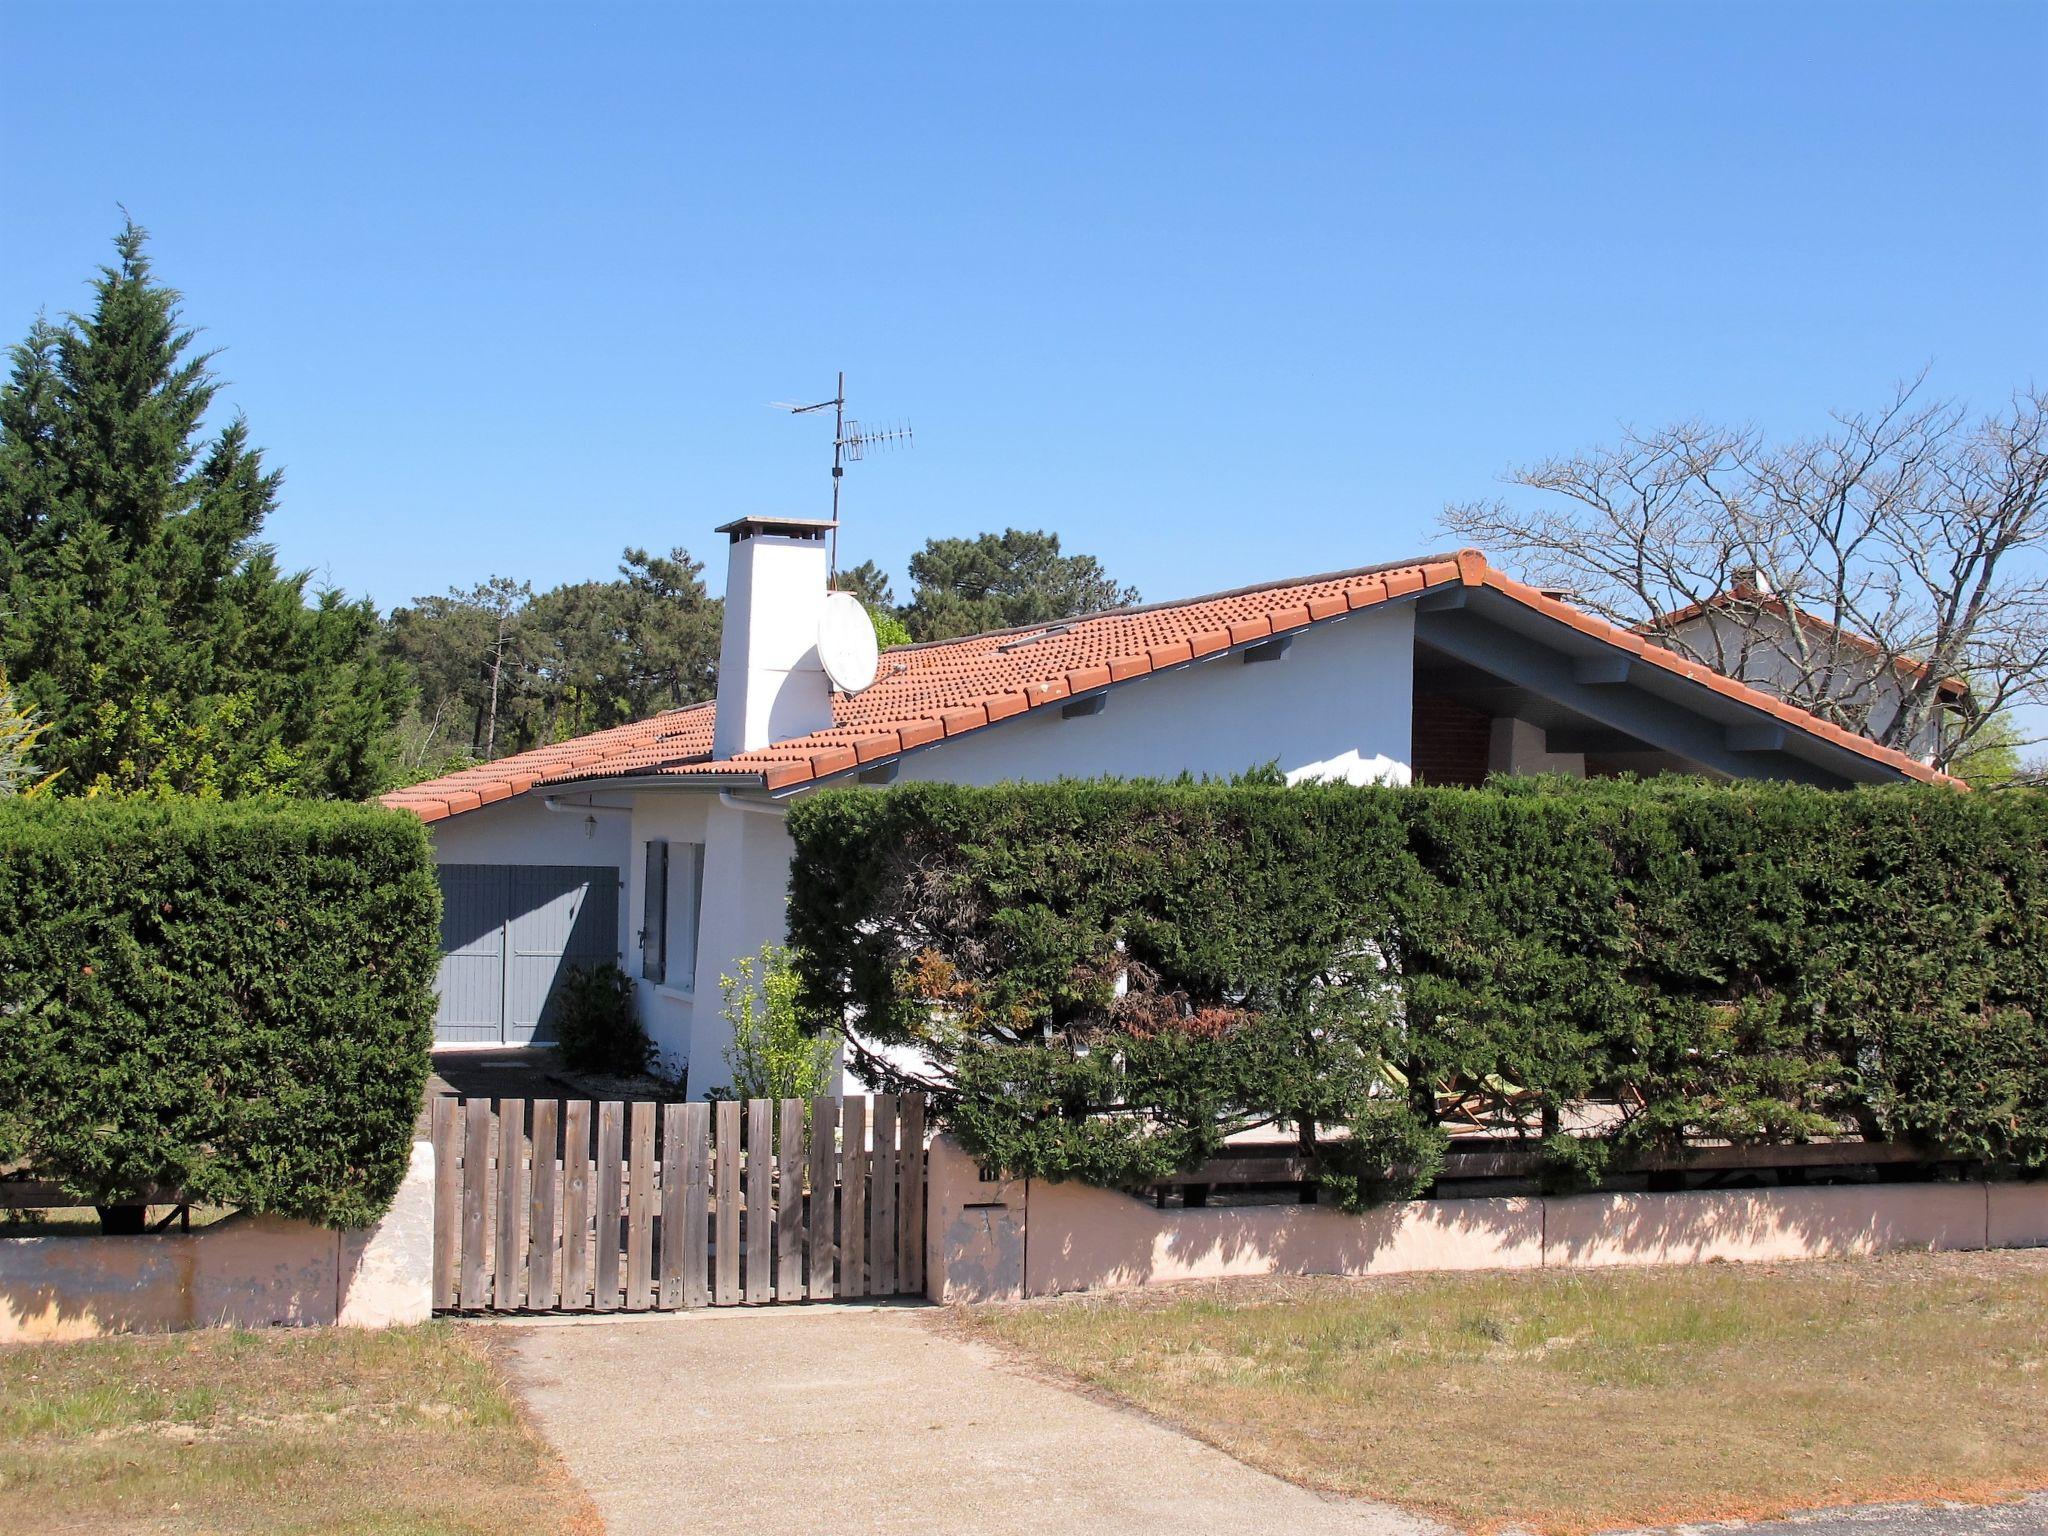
232 1001
1572 1165
597 1026
1392 1153
774 1053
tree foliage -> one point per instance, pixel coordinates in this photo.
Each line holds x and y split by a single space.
776 1052
141 613
1854 573
870 583
502 668
232 1001
19 732
999 581
1109 979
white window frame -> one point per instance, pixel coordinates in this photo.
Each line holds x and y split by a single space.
685 908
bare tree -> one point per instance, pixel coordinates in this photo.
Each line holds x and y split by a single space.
1862 574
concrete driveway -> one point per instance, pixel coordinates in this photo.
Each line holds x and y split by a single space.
866 1418
855 1419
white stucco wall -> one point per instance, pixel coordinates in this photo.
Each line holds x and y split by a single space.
746 902
668 1007
1339 705
523 831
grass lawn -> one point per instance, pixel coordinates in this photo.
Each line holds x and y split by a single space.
302 1430
1576 1402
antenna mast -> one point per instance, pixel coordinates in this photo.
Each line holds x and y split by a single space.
849 441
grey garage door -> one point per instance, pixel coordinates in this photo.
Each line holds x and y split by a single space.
509 933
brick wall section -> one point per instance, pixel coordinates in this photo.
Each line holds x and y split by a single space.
1450 742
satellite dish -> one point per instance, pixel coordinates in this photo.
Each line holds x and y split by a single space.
846 642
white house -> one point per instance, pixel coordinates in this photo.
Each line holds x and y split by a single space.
661 844
1752 633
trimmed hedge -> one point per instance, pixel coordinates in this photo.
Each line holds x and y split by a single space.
1760 963
233 1001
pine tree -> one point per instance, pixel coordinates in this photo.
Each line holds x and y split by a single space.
999 581
144 617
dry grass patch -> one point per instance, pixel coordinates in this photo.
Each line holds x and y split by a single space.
1576 1402
302 1431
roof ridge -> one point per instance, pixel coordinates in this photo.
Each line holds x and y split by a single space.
1133 609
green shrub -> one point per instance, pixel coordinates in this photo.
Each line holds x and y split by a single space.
774 1053
233 1001
1392 1153
1116 975
597 1026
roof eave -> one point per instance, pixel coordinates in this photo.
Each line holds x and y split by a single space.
705 782
1823 745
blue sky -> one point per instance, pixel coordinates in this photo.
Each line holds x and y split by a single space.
1216 293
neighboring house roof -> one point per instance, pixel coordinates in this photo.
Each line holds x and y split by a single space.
1952 689
941 689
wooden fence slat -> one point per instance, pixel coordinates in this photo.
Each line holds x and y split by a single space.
853 1197
509 1267
604 1275
789 1203
640 1212
910 1202
696 1235
576 1204
476 1196
821 1222
882 1198
760 1216
726 1290
447 1120
668 1291
540 1209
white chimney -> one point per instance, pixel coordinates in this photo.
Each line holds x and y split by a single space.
771 684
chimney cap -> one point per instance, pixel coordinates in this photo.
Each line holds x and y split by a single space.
787 527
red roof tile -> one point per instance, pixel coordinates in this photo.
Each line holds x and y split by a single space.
948 687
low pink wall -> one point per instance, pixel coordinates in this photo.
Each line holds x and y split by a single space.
1756 1226
244 1272
1083 1239
990 1240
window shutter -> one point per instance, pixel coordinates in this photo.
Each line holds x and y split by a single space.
654 914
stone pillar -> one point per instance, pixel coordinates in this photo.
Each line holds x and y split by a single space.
974 1230
387 1271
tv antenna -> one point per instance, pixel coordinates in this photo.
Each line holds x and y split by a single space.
850 440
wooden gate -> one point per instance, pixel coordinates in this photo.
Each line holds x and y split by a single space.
545 1204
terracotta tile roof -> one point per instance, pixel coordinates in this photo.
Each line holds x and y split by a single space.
924 693
676 735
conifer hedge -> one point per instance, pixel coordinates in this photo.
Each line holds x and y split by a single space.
1116 975
231 1001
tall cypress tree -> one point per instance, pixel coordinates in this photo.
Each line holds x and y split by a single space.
143 616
